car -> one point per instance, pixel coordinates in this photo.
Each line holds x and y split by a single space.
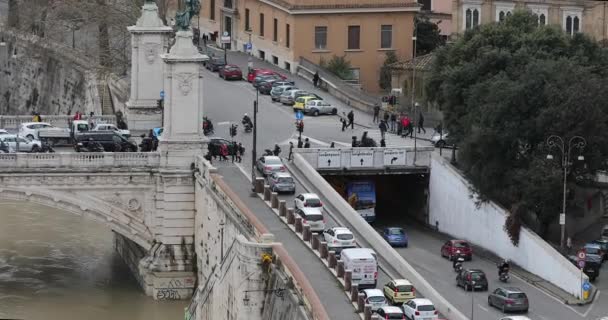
230 72
420 309
390 312
112 127
275 93
595 250
254 72
399 291
30 129
20 144
2 131
317 107
395 236
283 82
266 85
289 97
269 164
440 140
508 299
592 267
215 63
216 142
111 141
515 318
472 279
338 239
375 298
307 200
450 248
264 78
300 103
314 217
603 243
281 182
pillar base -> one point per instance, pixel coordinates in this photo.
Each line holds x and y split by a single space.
167 272
143 115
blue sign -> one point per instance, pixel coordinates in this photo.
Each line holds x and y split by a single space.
248 46
162 94
586 286
299 115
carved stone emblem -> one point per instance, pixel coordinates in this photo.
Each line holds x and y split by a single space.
151 51
184 82
133 204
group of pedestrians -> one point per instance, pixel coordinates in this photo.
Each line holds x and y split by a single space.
222 151
401 124
348 120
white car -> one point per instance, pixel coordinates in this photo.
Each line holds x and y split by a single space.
420 309
515 318
339 238
111 127
30 129
390 312
309 200
439 140
314 217
317 107
375 298
2 131
20 144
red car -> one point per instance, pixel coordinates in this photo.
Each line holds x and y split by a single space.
450 248
256 72
230 71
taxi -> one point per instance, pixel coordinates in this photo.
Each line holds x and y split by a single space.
399 291
301 102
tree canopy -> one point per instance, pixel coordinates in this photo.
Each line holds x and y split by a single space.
504 88
428 36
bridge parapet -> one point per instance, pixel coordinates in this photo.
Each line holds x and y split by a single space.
79 160
13 122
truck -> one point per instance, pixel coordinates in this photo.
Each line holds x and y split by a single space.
53 135
363 265
361 195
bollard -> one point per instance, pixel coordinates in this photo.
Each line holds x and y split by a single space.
348 280
360 302
323 250
312 238
259 185
274 200
331 259
315 243
291 218
298 224
267 192
282 208
306 233
367 312
340 269
354 292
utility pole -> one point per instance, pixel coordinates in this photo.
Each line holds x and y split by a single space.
255 134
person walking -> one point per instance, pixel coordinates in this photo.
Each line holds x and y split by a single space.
376 113
383 128
91 120
277 149
393 122
332 145
224 152
382 143
241 151
315 79
289 157
306 143
300 143
351 120
344 122
421 123
405 123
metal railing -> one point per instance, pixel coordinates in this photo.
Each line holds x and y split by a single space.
79 160
13 122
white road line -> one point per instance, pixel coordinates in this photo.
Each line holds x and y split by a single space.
592 303
223 123
483 308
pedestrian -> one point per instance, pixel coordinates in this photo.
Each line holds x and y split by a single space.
77 115
91 120
421 123
332 145
569 244
306 143
382 143
277 149
300 143
344 123
376 113
393 121
289 157
386 116
224 152
233 151
351 120
383 129
354 144
241 152
315 79
405 123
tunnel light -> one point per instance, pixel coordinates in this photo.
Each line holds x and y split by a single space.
581 158
2 43
549 157
15 54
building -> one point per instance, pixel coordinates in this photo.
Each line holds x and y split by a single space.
283 31
440 13
588 16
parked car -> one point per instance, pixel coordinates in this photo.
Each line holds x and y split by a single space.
111 141
450 248
420 309
338 239
603 243
592 266
230 72
509 299
254 72
300 103
317 107
112 127
375 298
395 236
269 164
2 131
275 93
399 291
215 63
390 312
314 217
282 182
283 82
264 78
30 129
440 140
515 318
20 144
307 200
472 279
595 250
289 97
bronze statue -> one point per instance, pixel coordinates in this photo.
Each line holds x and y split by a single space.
183 17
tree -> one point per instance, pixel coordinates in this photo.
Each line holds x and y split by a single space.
385 70
504 88
428 36
338 65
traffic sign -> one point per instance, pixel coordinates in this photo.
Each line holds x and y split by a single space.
562 219
394 157
581 264
581 255
248 46
299 115
226 34
162 94
328 159
586 286
362 158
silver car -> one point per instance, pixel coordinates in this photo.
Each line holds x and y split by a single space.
281 182
20 144
275 93
289 97
374 297
314 218
269 164
509 299
317 107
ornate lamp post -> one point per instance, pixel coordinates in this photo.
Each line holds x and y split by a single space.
558 142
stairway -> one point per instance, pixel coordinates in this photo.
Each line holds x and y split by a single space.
107 107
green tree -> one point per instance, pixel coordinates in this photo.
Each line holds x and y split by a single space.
338 65
428 36
385 70
504 88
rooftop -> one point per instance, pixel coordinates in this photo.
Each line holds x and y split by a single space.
422 63
294 5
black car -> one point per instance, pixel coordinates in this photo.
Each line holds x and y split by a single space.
283 83
472 279
214 64
266 86
216 143
592 266
111 141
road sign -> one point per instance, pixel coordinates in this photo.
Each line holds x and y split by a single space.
328 159
248 46
394 157
299 115
562 219
162 94
581 255
586 286
225 39
362 158
225 34
581 264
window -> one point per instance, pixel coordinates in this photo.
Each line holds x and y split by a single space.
275 60
288 68
287 35
541 12
275 30
354 33
386 36
228 4
211 9
261 24
262 54
471 17
320 37
503 11
542 20
572 21
247 22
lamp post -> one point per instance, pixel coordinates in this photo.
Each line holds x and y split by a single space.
222 240
566 148
255 134
472 300
414 104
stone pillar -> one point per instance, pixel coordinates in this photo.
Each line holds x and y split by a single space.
149 39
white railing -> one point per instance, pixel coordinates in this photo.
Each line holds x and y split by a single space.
79 160
366 158
13 122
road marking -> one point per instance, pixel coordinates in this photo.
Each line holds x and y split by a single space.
483 308
592 303
223 123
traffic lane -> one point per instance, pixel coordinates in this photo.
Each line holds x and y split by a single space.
424 254
599 308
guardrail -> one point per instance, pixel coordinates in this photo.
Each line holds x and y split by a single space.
79 160
13 122
366 158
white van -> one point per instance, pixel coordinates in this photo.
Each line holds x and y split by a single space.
605 232
363 266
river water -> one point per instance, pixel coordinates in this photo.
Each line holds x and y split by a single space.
56 265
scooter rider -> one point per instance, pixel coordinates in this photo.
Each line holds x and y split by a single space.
503 267
277 150
455 259
246 120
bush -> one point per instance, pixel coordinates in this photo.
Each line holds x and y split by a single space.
338 65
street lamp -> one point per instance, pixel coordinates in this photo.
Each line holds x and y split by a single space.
414 104
559 142
255 134
2 42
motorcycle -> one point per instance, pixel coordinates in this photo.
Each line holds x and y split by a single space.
46 148
458 264
268 152
248 127
89 147
503 275
207 127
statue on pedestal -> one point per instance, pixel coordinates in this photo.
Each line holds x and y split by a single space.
190 8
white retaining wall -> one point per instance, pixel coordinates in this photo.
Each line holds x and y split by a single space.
452 206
